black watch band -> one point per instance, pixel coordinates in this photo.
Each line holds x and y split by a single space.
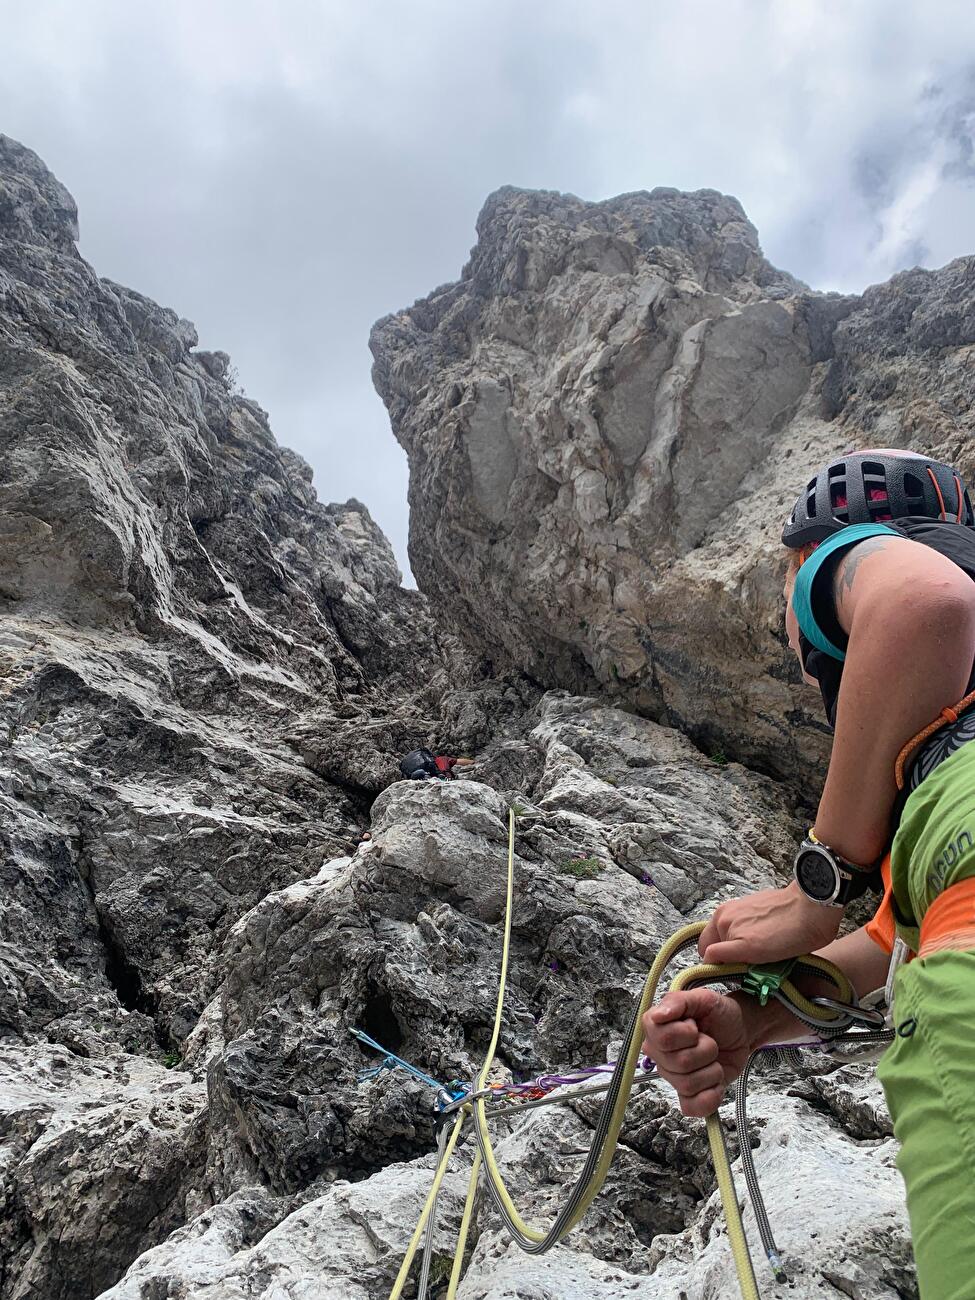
826 877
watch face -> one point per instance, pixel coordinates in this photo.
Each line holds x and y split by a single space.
816 875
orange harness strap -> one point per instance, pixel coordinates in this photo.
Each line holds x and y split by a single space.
881 927
950 920
942 720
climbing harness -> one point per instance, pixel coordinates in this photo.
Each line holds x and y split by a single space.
947 717
833 1019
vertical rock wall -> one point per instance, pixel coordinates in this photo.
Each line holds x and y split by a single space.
608 418
205 678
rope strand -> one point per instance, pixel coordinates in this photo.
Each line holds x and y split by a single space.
625 1075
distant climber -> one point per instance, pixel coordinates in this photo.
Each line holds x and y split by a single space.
424 765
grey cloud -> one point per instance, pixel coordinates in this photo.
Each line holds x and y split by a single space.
284 175
958 125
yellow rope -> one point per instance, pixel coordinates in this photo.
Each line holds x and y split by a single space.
465 1227
411 1249
737 1240
663 957
722 1165
488 1057
404 1268
736 1236
726 1186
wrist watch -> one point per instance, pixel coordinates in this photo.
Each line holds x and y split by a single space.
826 877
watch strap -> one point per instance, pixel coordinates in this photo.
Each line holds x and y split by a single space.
854 867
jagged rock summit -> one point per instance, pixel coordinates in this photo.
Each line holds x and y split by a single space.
608 418
205 679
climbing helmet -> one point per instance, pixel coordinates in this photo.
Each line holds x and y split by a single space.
866 487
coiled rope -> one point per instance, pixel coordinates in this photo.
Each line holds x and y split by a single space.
609 1122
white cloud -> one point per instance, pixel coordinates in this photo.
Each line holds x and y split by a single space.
284 174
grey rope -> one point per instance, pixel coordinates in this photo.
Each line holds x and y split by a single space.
792 1057
421 1292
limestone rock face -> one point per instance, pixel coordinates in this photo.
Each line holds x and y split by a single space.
206 677
102 1156
403 940
608 418
176 603
186 635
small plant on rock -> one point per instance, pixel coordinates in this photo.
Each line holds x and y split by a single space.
583 868
440 1269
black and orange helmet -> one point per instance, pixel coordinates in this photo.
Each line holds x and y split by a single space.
866 487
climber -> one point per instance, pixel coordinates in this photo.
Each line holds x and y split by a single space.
422 765
881 613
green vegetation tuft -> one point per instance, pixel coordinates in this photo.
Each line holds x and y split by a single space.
441 1266
583 868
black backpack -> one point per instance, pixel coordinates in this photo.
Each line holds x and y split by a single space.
416 761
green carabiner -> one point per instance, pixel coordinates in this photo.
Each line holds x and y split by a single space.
760 981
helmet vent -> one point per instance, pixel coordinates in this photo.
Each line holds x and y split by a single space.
913 487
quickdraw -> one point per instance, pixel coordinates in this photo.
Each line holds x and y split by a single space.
391 1062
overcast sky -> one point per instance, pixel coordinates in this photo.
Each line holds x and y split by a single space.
284 172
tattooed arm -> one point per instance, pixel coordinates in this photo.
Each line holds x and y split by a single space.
910 617
909 614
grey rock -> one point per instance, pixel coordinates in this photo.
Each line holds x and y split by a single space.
608 418
179 615
339 1246
207 676
177 605
98 1163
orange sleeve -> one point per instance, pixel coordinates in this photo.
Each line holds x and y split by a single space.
881 927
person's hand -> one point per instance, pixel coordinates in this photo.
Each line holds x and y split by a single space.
697 1040
767 927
